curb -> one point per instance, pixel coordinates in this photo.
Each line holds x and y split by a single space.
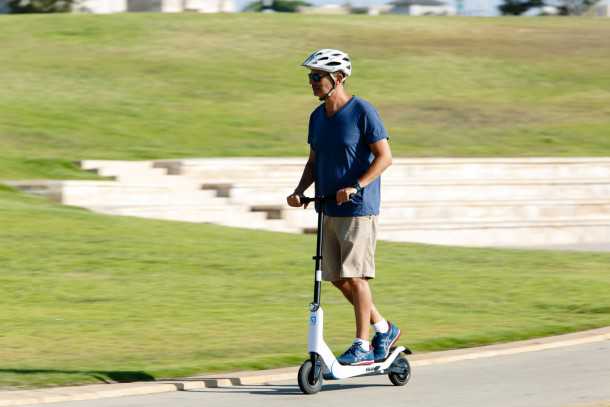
98 391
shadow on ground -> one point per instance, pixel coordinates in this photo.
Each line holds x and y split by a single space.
101 375
283 390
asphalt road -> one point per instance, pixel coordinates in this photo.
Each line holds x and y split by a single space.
576 376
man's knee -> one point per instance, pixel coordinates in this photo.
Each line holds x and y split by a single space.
356 282
341 284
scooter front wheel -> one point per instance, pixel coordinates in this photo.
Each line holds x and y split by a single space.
309 382
400 371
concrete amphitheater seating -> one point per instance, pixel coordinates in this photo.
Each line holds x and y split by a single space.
468 202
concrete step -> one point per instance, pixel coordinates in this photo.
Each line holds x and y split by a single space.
463 211
217 212
499 190
138 176
277 185
222 214
123 194
500 233
527 168
113 168
256 178
112 193
444 191
228 169
287 169
135 172
522 210
171 181
49 189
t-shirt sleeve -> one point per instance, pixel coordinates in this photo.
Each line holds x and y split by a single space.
310 135
372 127
309 131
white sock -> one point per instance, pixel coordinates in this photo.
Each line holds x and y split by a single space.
382 326
364 344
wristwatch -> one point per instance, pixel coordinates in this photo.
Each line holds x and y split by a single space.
357 187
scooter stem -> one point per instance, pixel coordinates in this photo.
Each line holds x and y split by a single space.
318 258
317 291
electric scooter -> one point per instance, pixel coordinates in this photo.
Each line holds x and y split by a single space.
322 364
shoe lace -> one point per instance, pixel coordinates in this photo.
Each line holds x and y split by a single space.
353 350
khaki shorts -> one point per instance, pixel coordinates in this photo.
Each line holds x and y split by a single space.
349 247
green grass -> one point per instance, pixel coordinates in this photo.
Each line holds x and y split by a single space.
141 86
87 297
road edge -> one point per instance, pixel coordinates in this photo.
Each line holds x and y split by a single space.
99 391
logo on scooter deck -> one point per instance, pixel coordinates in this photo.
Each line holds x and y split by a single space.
372 369
313 319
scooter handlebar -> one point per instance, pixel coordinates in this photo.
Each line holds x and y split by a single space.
320 199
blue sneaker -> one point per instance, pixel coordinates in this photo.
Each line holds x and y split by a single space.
356 356
382 343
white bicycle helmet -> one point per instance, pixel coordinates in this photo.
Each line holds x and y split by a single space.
329 60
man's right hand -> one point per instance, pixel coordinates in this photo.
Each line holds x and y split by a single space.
294 200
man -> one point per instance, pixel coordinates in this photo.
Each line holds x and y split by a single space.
348 152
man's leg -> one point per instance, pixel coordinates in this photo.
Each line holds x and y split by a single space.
357 291
345 287
356 240
363 301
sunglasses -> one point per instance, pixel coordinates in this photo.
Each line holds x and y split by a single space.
316 77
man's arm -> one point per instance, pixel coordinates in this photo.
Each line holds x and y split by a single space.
383 159
307 178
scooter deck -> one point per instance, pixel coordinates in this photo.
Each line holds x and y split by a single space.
406 351
337 372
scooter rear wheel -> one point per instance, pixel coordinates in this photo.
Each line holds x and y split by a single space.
400 371
305 378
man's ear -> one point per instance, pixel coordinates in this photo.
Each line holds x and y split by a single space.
341 77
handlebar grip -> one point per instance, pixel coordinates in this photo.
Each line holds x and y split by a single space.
306 199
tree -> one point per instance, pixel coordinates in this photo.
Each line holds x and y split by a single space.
574 7
518 7
565 7
284 6
40 6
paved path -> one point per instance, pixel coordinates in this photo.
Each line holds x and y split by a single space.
575 376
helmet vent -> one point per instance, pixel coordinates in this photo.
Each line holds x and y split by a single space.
333 63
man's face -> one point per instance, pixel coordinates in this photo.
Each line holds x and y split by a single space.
321 87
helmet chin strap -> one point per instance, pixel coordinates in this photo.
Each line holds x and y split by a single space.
330 92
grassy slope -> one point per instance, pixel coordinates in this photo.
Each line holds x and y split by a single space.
87 297
158 86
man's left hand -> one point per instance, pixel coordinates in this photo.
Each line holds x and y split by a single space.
343 195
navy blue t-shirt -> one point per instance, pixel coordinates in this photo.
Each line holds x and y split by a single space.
341 143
